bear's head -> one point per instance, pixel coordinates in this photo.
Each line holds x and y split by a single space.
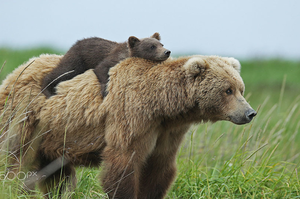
148 48
219 89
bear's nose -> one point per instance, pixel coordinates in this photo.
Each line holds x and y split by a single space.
167 52
250 114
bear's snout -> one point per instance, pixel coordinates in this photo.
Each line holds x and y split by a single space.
250 114
243 112
167 52
242 116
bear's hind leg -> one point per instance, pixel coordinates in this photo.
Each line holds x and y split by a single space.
55 177
62 180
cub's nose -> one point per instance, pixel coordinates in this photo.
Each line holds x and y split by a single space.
250 114
167 52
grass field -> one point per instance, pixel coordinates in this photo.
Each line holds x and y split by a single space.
221 160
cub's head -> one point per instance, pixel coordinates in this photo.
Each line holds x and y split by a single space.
148 48
218 89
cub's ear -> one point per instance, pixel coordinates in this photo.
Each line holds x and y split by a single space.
195 66
132 41
235 64
156 36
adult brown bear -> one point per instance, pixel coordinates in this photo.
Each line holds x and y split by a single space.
137 129
100 54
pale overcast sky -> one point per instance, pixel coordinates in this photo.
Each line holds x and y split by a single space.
239 28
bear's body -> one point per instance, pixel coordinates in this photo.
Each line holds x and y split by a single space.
100 54
137 129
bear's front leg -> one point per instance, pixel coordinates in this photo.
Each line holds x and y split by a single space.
157 176
121 174
101 71
159 170
123 166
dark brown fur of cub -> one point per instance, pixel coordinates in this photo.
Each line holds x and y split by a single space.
100 54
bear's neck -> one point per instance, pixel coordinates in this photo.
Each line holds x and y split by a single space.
143 92
173 102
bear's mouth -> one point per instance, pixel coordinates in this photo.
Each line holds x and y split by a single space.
163 58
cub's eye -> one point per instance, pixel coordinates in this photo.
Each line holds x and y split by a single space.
153 47
229 91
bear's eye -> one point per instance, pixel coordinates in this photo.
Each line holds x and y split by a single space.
153 47
229 91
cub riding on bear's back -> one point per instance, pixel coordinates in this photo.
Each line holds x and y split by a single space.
100 54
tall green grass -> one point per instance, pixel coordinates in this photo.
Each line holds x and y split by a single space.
222 160
12 58
259 160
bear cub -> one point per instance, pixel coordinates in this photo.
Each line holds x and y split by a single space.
100 54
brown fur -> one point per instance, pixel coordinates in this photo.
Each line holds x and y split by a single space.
137 130
100 54
21 101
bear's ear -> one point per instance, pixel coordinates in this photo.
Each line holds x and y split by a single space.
195 66
132 41
235 64
156 36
